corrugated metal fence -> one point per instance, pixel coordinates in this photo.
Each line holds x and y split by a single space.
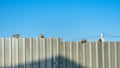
54 53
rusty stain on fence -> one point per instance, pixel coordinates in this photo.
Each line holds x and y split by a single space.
54 53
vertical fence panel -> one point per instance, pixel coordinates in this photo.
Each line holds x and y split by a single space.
90 53
100 54
112 49
2 44
24 53
80 54
97 58
7 53
64 55
74 55
51 53
87 55
15 52
1 53
77 55
42 53
56 43
28 52
54 53
39 52
61 55
21 53
93 47
106 55
109 54
116 57
84 55
48 53
67 54
58 52
35 61
10 52
103 54
118 54
71 50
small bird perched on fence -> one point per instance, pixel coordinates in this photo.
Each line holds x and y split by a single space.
83 41
16 35
41 36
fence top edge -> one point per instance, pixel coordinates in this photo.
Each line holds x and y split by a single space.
61 40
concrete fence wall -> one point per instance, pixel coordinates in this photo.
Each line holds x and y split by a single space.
54 53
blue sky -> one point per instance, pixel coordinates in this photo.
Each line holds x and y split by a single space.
70 20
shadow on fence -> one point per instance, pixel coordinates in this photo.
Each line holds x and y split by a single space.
54 62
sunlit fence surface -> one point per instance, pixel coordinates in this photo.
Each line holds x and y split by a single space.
54 53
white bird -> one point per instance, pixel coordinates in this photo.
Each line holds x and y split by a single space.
102 37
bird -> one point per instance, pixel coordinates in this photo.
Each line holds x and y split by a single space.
16 35
101 39
41 36
83 41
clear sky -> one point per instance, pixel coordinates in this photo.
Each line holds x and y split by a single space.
70 20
